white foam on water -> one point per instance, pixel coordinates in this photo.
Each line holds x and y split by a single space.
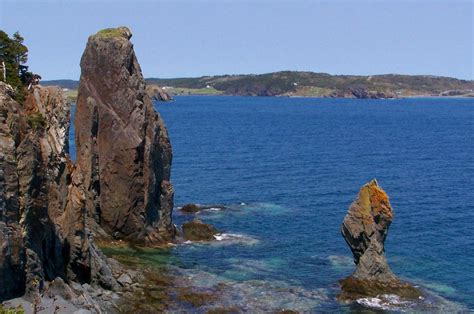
227 236
429 303
234 238
213 209
386 302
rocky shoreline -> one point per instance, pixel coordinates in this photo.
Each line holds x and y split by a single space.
57 217
119 188
55 213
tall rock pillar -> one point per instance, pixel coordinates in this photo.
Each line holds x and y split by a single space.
123 149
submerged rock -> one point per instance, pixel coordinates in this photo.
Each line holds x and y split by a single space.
199 208
196 230
124 153
196 299
190 209
365 229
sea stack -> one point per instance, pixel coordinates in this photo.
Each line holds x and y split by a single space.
365 228
123 149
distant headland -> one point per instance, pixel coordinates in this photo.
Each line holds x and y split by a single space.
305 84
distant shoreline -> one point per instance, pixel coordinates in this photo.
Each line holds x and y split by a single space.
73 100
303 84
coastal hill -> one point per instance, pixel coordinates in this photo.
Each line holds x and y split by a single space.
310 84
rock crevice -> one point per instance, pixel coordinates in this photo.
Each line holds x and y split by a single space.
42 231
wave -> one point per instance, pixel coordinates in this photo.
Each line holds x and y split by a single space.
234 238
430 302
227 239
386 302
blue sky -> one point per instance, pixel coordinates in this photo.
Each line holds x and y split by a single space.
184 38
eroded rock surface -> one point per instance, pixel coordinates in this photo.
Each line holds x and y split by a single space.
43 234
124 153
365 228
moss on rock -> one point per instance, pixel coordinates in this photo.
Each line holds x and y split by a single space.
118 32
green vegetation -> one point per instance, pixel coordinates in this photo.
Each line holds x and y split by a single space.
193 91
13 57
114 32
292 83
71 95
18 310
311 91
307 84
36 121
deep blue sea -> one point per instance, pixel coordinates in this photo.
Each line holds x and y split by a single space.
286 171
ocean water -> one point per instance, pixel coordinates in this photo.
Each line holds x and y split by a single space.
282 173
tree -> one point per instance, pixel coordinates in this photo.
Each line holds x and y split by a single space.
15 55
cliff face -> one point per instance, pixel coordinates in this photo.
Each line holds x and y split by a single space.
12 255
365 228
42 229
124 153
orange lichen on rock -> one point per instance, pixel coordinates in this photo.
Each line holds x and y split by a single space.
365 228
379 201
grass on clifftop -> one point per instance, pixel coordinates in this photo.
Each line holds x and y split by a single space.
193 91
113 32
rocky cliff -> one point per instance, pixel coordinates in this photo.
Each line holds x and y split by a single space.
365 228
43 234
155 92
51 209
124 153
363 93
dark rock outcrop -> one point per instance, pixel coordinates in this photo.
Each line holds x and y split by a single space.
190 209
50 208
365 229
363 93
196 230
124 153
43 234
157 93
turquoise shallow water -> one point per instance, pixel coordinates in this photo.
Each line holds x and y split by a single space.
287 169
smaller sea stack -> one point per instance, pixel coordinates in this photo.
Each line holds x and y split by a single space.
365 229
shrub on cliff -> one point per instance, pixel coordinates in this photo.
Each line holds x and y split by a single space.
13 57
36 121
